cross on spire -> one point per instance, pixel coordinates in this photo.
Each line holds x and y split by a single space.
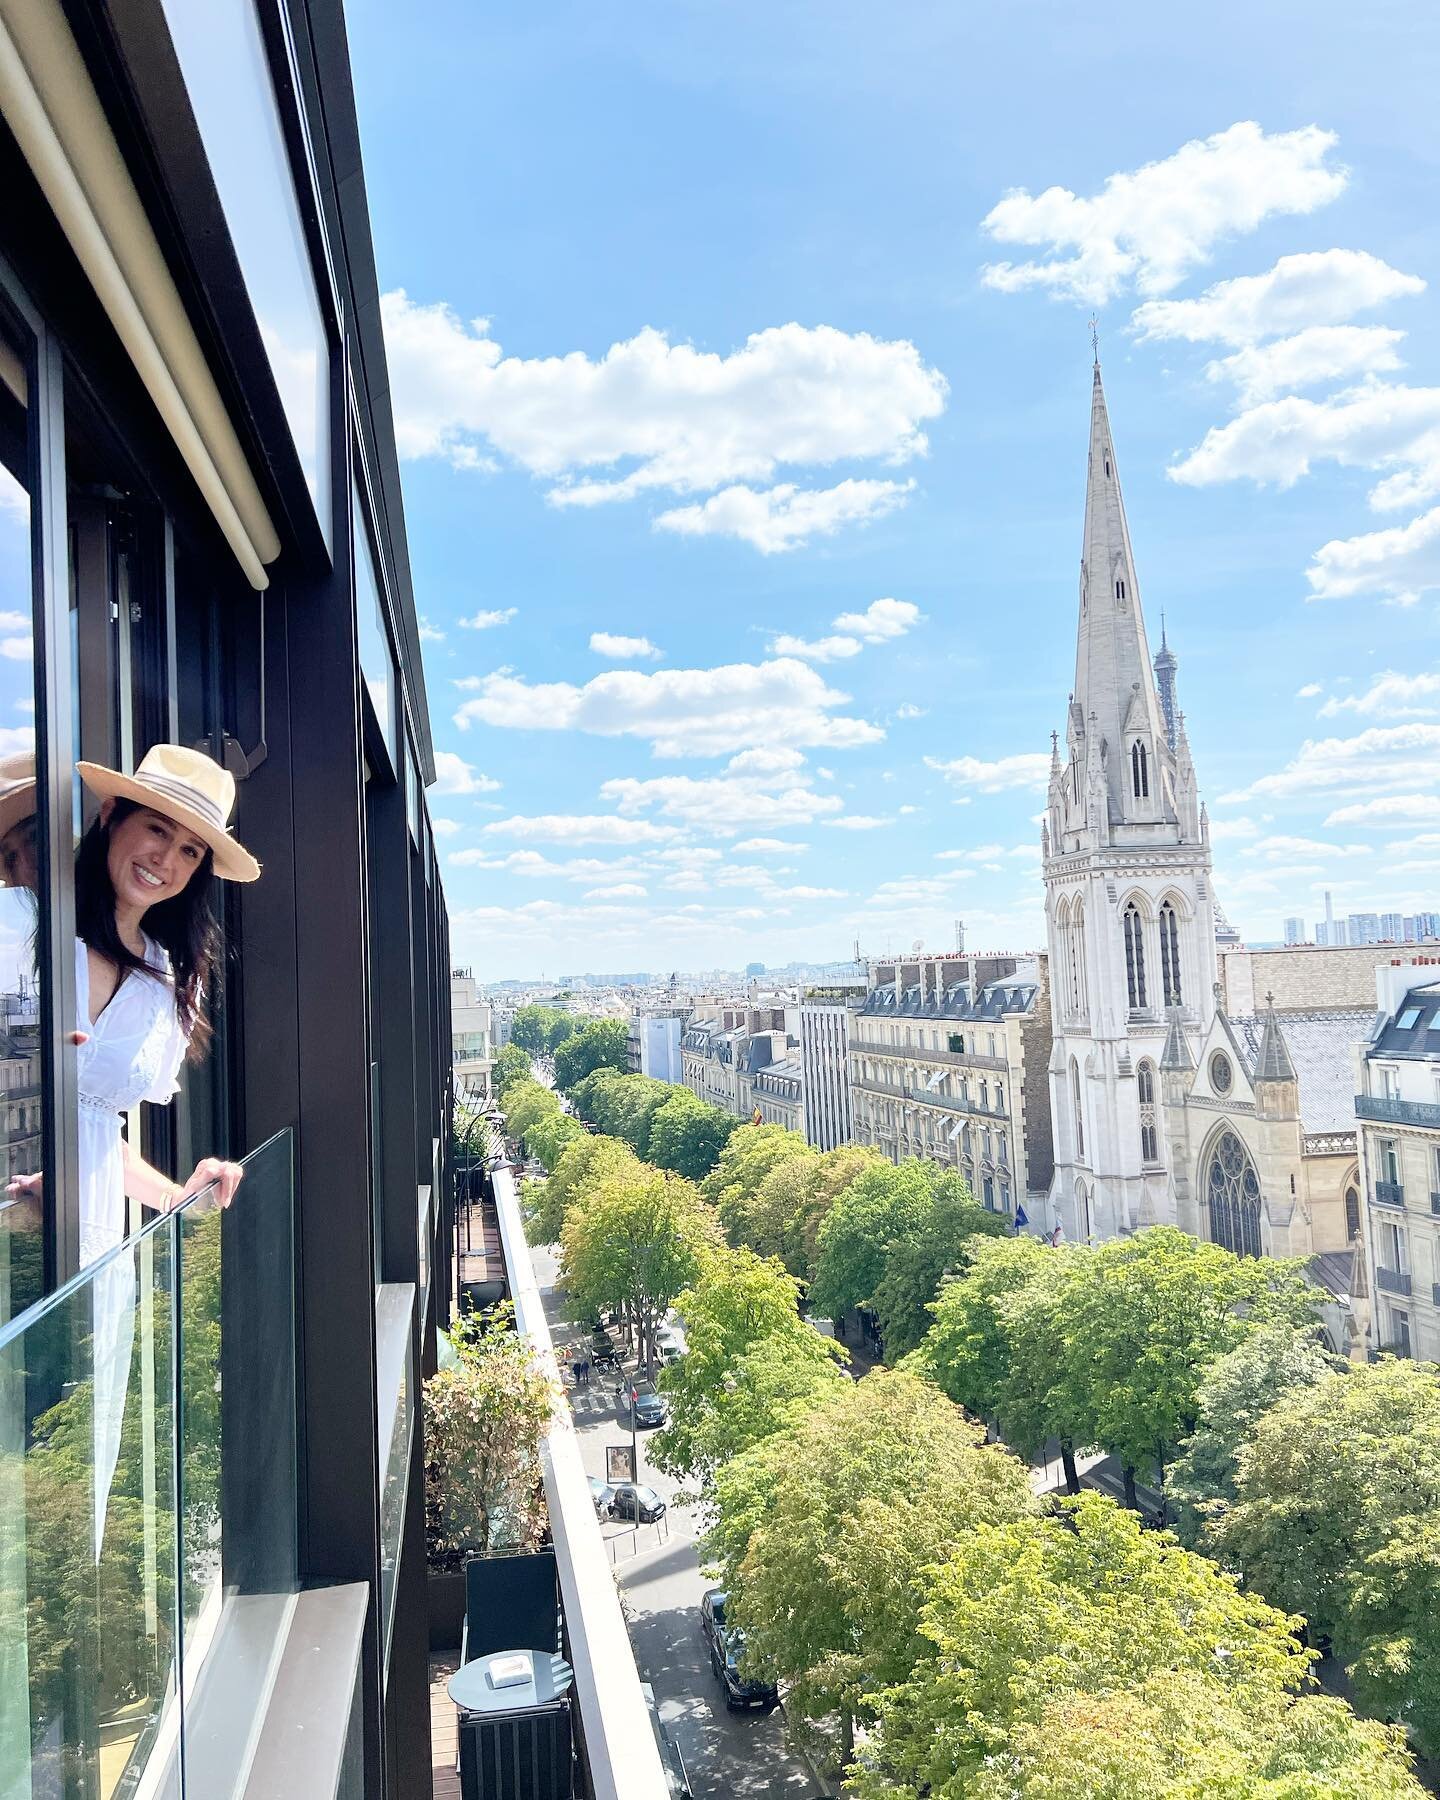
1095 338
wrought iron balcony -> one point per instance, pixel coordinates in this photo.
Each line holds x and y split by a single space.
1390 1111
1393 1281
1389 1193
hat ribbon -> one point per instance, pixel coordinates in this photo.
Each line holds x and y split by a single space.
187 796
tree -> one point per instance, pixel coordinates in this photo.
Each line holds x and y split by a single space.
735 1185
687 1136
485 1417
1024 1612
551 1136
883 1205
824 1180
941 1243
1233 1394
740 1302
539 1029
824 1528
584 1165
969 1349
602 1044
1145 1318
511 1065
634 1244
621 1105
1337 1514
529 1103
1047 1395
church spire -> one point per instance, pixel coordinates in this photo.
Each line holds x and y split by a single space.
1114 679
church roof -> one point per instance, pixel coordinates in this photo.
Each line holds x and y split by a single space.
1272 1062
1321 1047
1176 1054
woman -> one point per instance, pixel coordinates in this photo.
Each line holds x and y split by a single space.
146 944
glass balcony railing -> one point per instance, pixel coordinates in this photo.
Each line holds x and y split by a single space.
147 1503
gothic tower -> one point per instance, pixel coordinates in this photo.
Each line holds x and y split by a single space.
1128 905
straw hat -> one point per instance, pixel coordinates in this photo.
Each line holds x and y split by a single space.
187 786
17 789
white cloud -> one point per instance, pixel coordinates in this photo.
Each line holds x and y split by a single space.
826 649
18 649
653 413
1292 850
1390 696
622 890
1402 562
1378 425
1152 225
1391 756
487 621
809 893
881 620
609 643
532 865
1221 829
1323 353
786 517
1317 287
1309 691
985 853
588 828
453 775
770 846
444 827
430 634
758 788
684 712
1028 770
910 711
1394 809
857 822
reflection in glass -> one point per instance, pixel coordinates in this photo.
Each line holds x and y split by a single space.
227 73
376 663
21 1111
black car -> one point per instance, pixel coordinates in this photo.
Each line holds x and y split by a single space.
649 1408
603 1354
727 1647
642 1504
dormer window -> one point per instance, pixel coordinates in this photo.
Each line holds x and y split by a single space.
1119 590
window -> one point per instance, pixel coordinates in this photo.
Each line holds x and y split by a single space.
1170 954
1107 465
1399 1333
984 1096
1392 1250
1077 957
1139 771
377 665
957 1043
1149 1135
1119 590
1390 1083
1076 1109
1389 1160
1408 1019
1232 1190
1352 1215
1134 927
999 1096
1221 1077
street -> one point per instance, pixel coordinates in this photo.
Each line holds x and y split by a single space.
728 1755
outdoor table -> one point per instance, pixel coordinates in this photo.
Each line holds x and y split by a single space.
471 1690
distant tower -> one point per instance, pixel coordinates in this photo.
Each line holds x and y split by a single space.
1165 666
959 937
1129 911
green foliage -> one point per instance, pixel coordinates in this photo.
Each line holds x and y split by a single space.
734 1187
941 1243
1146 1316
621 1105
485 1418
1337 1514
969 1349
542 1029
511 1065
529 1103
824 1181
1083 1602
824 1528
724 1394
687 1136
551 1135
635 1242
1235 1391
599 1045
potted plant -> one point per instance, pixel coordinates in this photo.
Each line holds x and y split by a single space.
485 1417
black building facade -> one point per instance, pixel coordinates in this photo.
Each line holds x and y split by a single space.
212 1556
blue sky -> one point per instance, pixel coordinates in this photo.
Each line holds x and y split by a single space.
712 325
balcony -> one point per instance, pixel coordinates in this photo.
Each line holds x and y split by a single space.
1387 1111
919 1096
1392 1281
964 1059
147 1512
1389 1193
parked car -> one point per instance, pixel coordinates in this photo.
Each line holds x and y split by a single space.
603 1354
727 1646
602 1494
650 1409
642 1504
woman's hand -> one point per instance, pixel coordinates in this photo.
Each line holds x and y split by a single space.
212 1172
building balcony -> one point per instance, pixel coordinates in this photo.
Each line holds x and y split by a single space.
964 1059
1386 1110
1389 1193
1392 1281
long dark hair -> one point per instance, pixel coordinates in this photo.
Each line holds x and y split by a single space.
184 925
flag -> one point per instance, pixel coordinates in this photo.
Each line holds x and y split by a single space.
1020 1219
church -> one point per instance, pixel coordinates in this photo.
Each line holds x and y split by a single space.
1239 1129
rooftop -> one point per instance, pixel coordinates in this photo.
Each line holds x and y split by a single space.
1321 1045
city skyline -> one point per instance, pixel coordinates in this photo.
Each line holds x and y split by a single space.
720 675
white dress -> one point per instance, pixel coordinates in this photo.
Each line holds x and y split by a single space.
133 1052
